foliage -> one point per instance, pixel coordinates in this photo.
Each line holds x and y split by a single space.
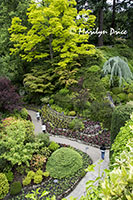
4 186
72 113
9 176
117 67
34 195
9 99
15 188
63 162
76 124
45 151
53 146
17 150
102 112
26 181
44 138
37 161
38 179
125 134
31 174
120 115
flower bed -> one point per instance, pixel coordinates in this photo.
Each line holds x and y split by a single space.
92 135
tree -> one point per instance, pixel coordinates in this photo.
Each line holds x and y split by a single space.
11 66
9 99
54 31
115 66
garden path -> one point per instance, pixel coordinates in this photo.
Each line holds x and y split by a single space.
93 152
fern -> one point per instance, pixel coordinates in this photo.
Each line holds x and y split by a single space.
115 66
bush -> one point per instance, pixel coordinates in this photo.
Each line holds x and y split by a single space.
15 188
72 113
45 100
4 186
38 179
102 112
64 91
116 90
38 161
9 176
31 174
125 135
130 96
53 146
51 101
122 96
44 138
26 181
120 115
64 162
39 172
76 124
45 174
45 151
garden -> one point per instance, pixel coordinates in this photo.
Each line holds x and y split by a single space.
82 86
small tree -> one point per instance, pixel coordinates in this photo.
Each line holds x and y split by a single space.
115 66
9 99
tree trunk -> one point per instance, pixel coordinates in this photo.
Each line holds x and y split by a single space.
113 15
100 39
50 46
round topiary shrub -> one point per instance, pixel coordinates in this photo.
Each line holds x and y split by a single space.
4 186
15 188
64 162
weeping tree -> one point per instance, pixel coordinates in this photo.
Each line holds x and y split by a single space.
115 66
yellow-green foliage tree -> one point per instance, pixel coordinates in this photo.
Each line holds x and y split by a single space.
53 35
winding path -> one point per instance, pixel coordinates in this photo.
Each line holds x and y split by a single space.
93 152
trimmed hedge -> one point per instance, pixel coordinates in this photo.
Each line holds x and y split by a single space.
120 115
15 188
64 162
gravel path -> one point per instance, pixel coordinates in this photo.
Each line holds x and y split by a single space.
93 152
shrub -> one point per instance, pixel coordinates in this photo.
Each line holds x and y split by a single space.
39 172
64 162
38 161
4 186
15 188
51 101
38 178
76 124
94 68
44 138
31 174
64 91
45 174
102 112
53 146
122 96
125 135
26 181
130 96
120 115
45 100
116 90
9 176
3 163
72 113
9 99
45 151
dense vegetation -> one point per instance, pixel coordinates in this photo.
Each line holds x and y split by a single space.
82 91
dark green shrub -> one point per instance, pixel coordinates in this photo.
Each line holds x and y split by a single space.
4 186
15 188
76 124
43 138
3 163
122 96
102 112
116 90
53 146
120 115
9 176
64 162
130 96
